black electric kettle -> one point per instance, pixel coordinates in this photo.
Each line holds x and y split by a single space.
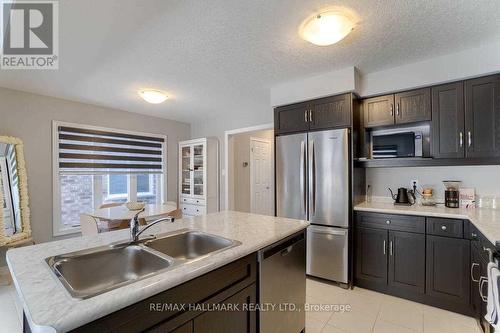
404 196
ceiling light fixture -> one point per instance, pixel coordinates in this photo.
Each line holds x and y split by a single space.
153 96
326 28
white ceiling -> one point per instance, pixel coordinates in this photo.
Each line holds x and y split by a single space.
222 56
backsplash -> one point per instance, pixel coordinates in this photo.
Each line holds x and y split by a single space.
485 179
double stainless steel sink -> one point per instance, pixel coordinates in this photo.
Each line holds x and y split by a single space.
91 272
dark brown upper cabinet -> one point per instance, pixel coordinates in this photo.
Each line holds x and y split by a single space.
413 106
291 118
322 113
331 112
402 108
482 116
448 121
378 111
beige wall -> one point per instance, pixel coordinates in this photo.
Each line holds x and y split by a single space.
29 117
239 176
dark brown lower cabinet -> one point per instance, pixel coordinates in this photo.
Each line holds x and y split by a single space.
407 262
186 328
447 271
230 321
388 260
226 321
423 259
478 288
371 257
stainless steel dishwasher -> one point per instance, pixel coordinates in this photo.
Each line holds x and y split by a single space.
282 286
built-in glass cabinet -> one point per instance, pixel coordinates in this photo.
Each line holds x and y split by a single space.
198 176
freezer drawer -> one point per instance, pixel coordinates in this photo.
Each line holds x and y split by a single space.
327 249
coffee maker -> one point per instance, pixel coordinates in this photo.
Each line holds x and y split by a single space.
451 194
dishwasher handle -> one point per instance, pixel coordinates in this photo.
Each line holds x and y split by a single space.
287 250
283 248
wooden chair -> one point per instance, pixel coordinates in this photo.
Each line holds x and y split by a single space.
88 225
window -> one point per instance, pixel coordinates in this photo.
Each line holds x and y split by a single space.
93 166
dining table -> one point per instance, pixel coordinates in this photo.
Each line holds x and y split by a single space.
118 217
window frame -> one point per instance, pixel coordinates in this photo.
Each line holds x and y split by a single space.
58 228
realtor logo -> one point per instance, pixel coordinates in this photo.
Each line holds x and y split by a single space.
29 35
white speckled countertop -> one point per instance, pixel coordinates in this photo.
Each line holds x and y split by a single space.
50 308
486 220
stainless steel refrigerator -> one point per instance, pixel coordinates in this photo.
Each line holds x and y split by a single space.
312 183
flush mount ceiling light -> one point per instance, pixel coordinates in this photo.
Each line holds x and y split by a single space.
153 96
326 28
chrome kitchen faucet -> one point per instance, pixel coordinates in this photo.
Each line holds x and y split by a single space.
134 225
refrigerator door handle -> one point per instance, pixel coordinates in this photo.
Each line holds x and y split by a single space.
303 176
312 166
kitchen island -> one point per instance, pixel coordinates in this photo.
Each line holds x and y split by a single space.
48 306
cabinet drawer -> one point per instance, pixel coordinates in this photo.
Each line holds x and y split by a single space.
445 227
193 210
391 222
193 201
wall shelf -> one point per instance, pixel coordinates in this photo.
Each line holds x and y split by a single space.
419 162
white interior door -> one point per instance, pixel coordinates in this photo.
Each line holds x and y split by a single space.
261 177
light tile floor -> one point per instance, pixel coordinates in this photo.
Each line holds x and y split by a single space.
370 312
378 313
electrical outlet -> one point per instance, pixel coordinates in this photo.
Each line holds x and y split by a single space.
414 182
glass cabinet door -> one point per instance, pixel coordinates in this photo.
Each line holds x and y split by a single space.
198 169
186 154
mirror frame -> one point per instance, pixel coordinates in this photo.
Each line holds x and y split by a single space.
23 195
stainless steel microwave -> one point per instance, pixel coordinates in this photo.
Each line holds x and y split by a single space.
396 143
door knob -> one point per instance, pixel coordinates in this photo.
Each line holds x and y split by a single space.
443 227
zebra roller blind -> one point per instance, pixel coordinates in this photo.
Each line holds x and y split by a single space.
90 151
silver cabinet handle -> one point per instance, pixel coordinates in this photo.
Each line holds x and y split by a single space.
474 264
392 110
388 222
391 250
397 109
443 227
310 116
461 135
384 247
303 175
469 137
482 280
305 116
